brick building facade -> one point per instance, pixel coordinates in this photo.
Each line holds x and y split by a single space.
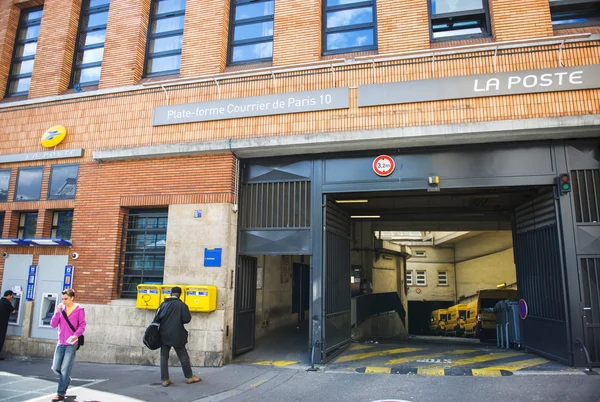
192 166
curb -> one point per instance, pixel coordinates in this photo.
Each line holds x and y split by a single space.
430 371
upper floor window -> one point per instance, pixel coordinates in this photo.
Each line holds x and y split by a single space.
443 278
4 183
89 48
350 26
165 37
1 223
24 54
409 278
421 278
452 19
63 182
251 38
29 184
27 225
574 13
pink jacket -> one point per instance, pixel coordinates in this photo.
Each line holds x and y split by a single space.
77 319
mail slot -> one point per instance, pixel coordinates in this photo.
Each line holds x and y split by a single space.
166 292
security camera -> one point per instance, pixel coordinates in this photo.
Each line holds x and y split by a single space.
74 256
5 254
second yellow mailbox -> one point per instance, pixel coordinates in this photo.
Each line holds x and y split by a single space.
201 298
166 292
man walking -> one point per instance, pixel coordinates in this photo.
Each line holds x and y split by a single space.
171 316
6 309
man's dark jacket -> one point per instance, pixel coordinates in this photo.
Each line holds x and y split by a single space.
171 316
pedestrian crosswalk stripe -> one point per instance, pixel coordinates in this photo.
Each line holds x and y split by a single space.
518 365
431 356
360 356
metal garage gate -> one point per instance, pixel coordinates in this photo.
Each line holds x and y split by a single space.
540 277
584 162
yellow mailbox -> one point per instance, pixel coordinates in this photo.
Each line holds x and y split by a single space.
166 292
201 298
148 297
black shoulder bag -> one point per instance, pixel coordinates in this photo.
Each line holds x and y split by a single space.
80 339
151 338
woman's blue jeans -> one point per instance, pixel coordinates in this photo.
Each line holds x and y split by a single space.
64 356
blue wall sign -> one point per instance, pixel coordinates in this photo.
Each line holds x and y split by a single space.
30 294
212 257
198 213
68 281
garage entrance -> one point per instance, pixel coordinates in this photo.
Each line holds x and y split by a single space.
292 207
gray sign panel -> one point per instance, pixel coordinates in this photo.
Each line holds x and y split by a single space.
294 102
476 86
37 156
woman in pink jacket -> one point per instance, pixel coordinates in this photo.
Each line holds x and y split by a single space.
64 355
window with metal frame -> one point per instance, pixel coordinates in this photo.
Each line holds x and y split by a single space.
62 223
89 47
27 225
165 38
409 278
63 182
574 13
251 33
29 183
143 249
19 78
349 26
421 278
452 19
1 223
442 278
4 184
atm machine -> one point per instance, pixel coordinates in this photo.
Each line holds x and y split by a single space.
15 319
47 309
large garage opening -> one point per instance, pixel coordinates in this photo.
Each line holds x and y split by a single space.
431 266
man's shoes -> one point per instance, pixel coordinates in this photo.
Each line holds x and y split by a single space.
58 398
166 383
193 379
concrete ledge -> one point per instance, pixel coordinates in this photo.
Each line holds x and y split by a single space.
402 137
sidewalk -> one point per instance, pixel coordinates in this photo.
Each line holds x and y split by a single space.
32 380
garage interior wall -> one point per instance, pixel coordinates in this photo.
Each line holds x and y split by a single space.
435 259
274 299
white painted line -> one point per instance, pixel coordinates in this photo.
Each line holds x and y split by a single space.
48 396
526 373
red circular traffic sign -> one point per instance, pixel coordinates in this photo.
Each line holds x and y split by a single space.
523 310
384 165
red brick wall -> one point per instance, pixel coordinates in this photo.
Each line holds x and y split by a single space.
125 45
520 20
56 47
9 20
205 37
297 36
402 25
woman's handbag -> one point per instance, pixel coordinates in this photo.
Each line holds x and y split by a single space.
80 339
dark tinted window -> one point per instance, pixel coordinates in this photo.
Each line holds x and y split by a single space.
574 13
24 54
4 183
62 221
350 26
27 225
63 182
29 184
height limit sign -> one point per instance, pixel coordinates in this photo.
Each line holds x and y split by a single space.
384 165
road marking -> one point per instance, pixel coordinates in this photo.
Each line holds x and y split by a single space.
430 371
279 363
486 373
377 370
519 365
484 358
258 384
361 347
360 356
424 357
48 396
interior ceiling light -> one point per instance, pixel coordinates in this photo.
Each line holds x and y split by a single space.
351 201
365 216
